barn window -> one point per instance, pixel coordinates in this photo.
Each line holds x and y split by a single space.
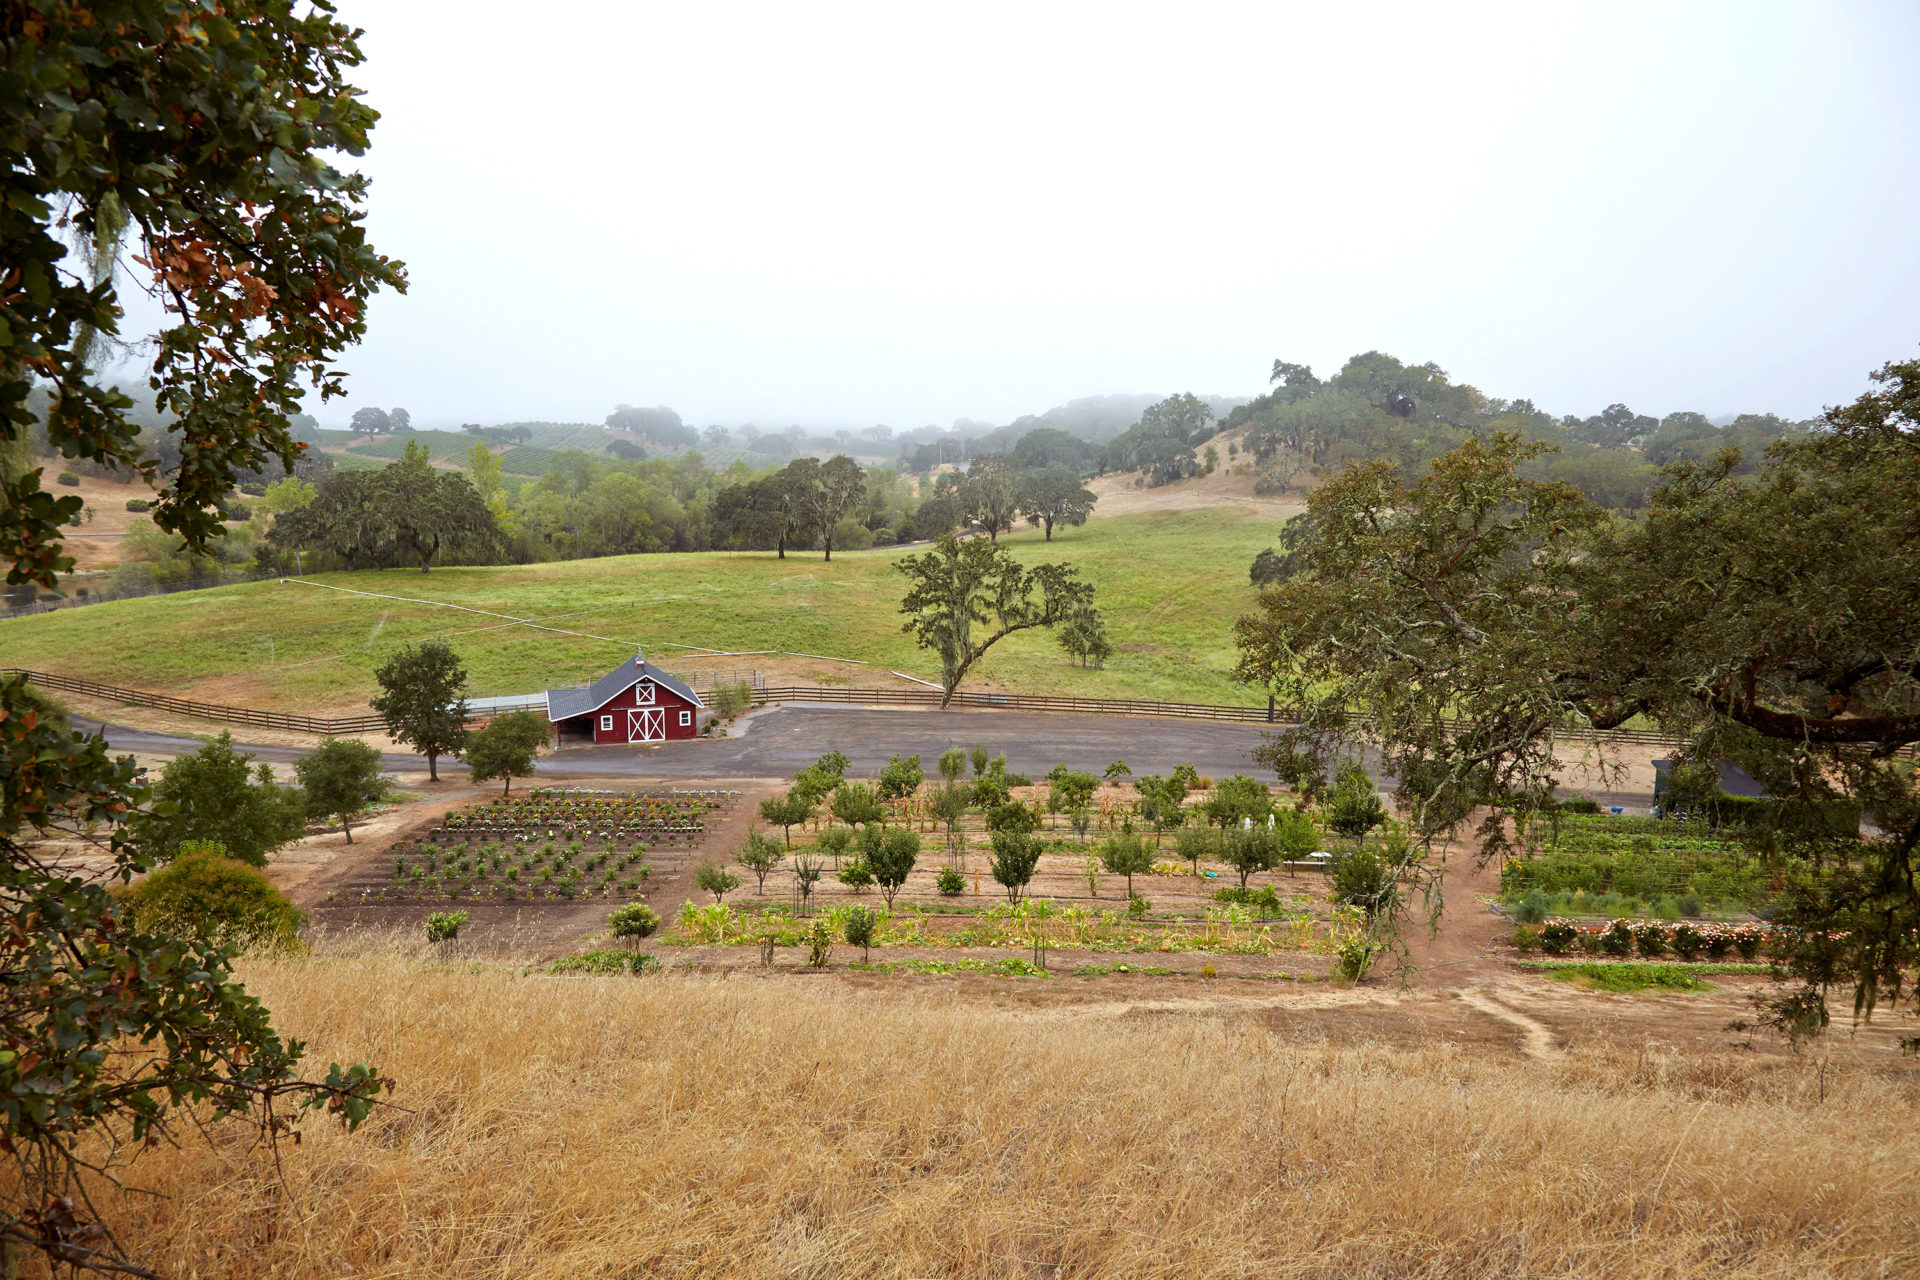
606 722
686 717
643 693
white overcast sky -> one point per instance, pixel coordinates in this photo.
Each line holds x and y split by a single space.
900 213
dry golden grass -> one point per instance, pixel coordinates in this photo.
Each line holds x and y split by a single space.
791 1127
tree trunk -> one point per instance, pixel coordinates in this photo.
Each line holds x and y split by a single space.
346 827
433 769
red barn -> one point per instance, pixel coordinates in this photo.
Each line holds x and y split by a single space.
632 703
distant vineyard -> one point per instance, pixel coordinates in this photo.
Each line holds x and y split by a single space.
441 446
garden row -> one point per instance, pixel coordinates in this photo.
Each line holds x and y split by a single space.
1648 939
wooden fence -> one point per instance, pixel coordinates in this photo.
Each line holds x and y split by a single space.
923 698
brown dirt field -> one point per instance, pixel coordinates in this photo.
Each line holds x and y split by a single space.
1226 487
96 544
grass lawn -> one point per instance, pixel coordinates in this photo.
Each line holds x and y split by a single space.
1169 584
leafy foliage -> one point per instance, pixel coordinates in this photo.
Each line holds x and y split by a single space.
1016 855
634 920
1472 615
890 856
341 777
103 1022
423 700
207 143
761 855
214 797
901 777
506 748
715 879
207 896
445 926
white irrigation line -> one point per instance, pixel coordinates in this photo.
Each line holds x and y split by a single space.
442 604
824 658
916 679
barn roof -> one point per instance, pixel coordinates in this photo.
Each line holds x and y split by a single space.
564 704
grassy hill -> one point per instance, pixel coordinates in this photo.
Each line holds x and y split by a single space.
1169 584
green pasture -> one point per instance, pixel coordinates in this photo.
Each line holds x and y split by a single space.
1169 585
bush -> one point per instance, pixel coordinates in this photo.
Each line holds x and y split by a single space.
206 895
1651 940
856 876
950 882
1355 957
901 777
1556 936
136 504
1748 939
1532 907
635 920
715 879
819 944
1686 941
68 479
1617 939
444 926
607 962
1138 906
859 927
1366 880
1525 939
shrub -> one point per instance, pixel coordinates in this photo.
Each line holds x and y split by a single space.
1617 939
136 504
950 882
762 854
1354 958
715 879
819 944
834 841
1525 938
635 920
607 962
1137 906
1747 939
1651 940
1686 941
889 857
204 894
856 876
1366 879
68 479
1016 855
444 926
1556 936
1532 907
858 929
901 777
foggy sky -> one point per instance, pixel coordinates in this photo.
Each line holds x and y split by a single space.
906 214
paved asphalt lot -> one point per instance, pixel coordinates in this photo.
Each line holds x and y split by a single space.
777 741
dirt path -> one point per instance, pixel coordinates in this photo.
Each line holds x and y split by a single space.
1536 1038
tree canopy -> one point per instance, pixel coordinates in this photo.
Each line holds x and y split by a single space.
1464 623
964 597
211 146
